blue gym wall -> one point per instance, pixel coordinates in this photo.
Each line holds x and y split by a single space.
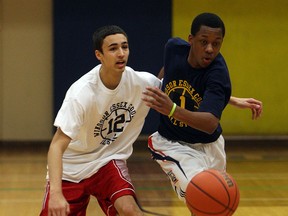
147 23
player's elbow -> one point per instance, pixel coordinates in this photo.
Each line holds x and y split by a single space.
212 125
210 130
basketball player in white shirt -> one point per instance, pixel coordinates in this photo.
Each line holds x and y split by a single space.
100 118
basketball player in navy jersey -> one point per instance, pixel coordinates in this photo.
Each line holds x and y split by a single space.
196 88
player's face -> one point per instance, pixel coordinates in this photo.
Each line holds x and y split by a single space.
115 53
205 46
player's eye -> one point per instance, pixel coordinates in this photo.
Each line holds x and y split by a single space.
112 48
125 47
216 44
203 42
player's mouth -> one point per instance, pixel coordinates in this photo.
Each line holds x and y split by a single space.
121 64
207 60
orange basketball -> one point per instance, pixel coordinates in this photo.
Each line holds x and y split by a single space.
212 192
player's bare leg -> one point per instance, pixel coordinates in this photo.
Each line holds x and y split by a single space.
127 206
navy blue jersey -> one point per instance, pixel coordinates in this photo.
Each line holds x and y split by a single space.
198 90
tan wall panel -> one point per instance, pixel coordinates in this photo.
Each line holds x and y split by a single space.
1 71
26 70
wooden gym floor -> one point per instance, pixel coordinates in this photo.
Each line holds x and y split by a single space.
259 166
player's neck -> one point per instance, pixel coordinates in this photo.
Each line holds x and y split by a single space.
109 78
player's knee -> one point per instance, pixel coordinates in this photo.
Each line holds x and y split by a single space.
130 209
126 206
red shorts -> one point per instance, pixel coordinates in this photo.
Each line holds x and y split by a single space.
109 183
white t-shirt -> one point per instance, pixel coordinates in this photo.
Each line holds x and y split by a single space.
102 123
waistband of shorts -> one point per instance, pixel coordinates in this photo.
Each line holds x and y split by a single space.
190 144
195 144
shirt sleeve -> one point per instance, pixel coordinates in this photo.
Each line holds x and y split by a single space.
217 93
70 118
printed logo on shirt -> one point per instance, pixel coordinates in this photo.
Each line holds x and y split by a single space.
114 121
181 92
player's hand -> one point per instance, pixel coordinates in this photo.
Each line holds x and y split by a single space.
157 99
250 103
58 206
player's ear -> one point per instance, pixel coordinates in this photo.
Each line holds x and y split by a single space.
190 39
98 55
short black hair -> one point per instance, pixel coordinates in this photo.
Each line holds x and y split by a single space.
101 33
207 19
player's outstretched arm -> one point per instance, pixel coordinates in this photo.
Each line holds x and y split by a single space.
250 103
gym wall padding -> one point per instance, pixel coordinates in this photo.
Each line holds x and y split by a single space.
46 45
254 48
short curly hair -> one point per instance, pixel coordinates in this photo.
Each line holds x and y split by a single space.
101 33
207 19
